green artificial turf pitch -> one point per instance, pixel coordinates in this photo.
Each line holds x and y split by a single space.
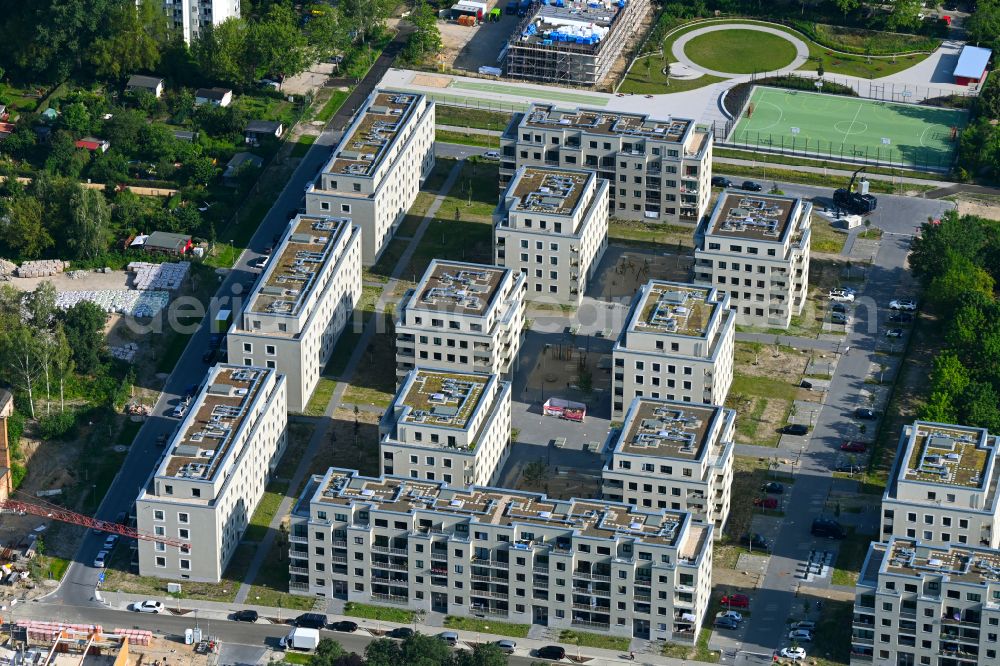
850 128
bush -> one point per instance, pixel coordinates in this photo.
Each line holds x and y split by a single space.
61 425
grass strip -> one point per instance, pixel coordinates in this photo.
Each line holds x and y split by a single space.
381 613
487 626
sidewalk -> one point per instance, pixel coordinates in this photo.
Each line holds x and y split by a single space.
214 610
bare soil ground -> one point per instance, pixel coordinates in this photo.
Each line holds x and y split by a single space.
766 379
979 205
620 67
564 367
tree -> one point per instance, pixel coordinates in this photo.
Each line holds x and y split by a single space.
980 406
84 329
76 118
64 158
961 277
949 379
220 50
327 653
136 32
20 359
383 652
365 16
109 167
535 473
41 305
983 26
21 227
484 654
199 171
423 650
905 14
276 45
325 32
426 38
89 223
846 6
123 130
62 361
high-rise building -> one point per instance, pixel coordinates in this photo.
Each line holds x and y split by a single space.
191 17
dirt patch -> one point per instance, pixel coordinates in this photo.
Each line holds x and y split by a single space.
772 361
981 206
352 442
431 81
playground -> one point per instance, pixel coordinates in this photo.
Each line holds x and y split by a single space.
849 128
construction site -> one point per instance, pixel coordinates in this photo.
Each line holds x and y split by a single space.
573 42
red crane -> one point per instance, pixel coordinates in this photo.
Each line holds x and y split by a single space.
46 510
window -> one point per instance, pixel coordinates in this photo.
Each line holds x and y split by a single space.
345 208
183 533
161 562
270 350
183 518
158 515
186 565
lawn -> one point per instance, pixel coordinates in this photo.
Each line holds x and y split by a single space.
763 386
119 579
701 650
374 380
587 639
487 626
264 513
52 567
321 396
646 77
478 140
634 232
850 558
342 351
749 474
825 238
270 588
383 613
475 193
295 658
333 105
833 634
303 145
740 51
459 116
789 160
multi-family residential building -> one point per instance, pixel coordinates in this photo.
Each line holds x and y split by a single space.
507 555
447 426
756 248
574 43
213 473
300 304
462 317
924 605
660 170
376 170
674 456
677 344
943 488
552 226
191 17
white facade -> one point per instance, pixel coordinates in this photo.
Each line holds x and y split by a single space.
447 426
673 456
755 247
191 17
301 303
552 226
922 604
502 554
376 170
659 170
461 317
213 473
943 488
677 344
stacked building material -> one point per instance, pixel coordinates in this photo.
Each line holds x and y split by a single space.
126 352
42 268
127 302
168 275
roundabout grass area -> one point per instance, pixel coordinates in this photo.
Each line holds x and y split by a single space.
738 51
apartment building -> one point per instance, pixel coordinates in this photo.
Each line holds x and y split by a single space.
756 248
376 170
660 170
462 317
920 604
674 456
552 226
213 473
448 426
191 17
677 344
299 305
574 43
505 555
943 488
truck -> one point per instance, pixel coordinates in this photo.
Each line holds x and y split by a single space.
855 202
301 638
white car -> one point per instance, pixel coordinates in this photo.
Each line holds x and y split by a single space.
800 635
731 614
804 624
793 653
147 606
906 305
491 155
99 561
841 296
110 542
259 262
894 333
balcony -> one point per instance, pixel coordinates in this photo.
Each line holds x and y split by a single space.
390 550
298 538
591 625
390 565
488 579
861 640
589 607
968 622
298 587
587 575
340 543
299 570
390 599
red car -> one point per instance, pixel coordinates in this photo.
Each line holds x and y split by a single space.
854 447
735 601
766 502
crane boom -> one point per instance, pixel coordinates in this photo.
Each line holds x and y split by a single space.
67 516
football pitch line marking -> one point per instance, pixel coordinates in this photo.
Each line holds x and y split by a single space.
848 132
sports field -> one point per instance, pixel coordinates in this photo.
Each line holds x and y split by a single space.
850 128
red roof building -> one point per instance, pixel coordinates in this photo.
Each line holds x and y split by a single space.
90 143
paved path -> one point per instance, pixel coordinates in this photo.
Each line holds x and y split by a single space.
719 167
321 433
789 341
801 48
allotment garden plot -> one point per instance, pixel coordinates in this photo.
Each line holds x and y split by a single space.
849 128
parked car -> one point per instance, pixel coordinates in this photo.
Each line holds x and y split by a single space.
772 487
345 625
259 262
731 614
449 637
551 652
506 645
805 384
179 410
721 181
110 542
245 615
735 601
101 559
865 413
827 527
755 541
841 296
751 186
906 305
491 155
838 307
894 333
853 446
803 624
901 317
800 635
793 653
161 439
849 467
311 621
726 623
147 606
512 7
401 632
839 317
765 502
795 429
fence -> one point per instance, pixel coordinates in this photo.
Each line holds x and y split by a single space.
902 93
